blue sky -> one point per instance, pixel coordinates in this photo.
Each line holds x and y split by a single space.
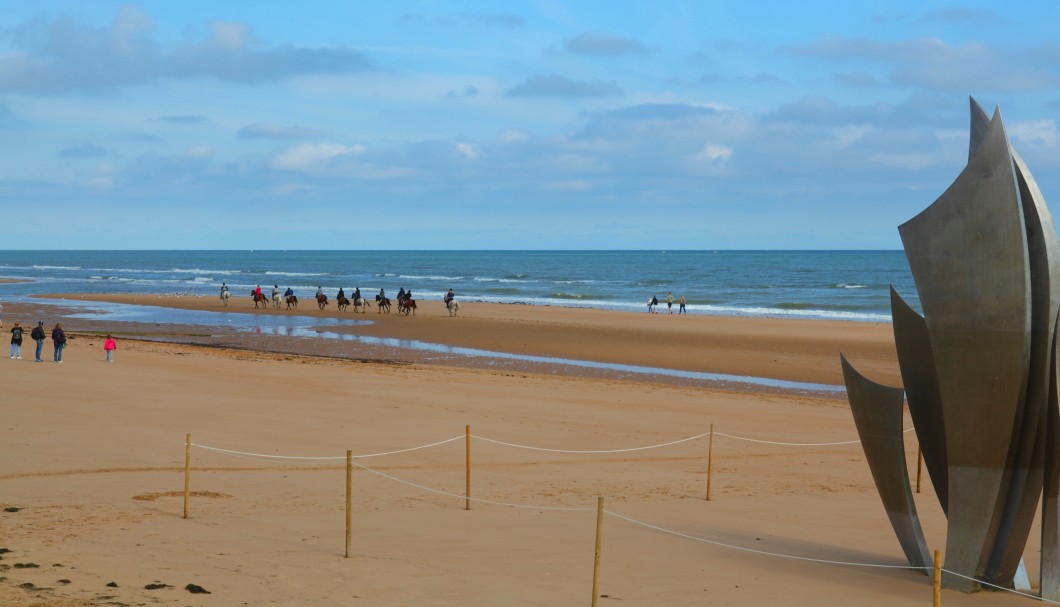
493 125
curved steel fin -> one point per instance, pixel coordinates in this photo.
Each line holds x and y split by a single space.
979 124
877 413
1050 565
917 363
968 254
1027 457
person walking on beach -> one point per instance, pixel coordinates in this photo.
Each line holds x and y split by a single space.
670 302
109 347
59 341
16 341
38 336
681 305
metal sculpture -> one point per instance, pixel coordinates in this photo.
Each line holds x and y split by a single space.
980 365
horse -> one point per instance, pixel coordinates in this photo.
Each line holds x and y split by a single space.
259 298
453 306
407 305
360 304
382 304
292 302
322 301
342 303
224 298
276 301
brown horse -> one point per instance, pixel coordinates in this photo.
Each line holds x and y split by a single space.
382 304
260 298
407 305
292 302
342 303
322 301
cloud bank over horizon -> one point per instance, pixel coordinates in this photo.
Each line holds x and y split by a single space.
680 126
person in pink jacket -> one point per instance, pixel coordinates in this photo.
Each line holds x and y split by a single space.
109 347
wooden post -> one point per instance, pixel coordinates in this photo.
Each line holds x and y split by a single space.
349 496
919 466
187 472
936 596
710 460
599 544
467 467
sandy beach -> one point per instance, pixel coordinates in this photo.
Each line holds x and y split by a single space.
93 478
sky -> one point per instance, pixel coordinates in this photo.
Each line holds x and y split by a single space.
506 125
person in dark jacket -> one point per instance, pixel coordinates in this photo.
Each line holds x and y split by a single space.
38 336
59 341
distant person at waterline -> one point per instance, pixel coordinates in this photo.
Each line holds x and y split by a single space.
59 341
109 347
670 302
38 336
16 341
681 305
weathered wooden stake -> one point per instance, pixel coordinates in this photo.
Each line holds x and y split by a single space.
936 597
599 544
187 472
467 467
349 496
710 460
919 466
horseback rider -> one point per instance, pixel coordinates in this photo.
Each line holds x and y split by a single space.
449 297
357 293
401 294
275 291
408 294
320 291
289 292
382 294
341 295
257 292
224 289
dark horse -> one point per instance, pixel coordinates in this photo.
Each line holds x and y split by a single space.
292 302
342 303
382 304
407 305
260 298
322 301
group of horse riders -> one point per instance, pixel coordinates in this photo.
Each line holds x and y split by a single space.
403 296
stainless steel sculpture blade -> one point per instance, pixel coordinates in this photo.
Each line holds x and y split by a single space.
1050 565
1028 448
917 362
877 413
968 254
980 122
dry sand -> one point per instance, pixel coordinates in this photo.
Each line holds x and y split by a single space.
93 452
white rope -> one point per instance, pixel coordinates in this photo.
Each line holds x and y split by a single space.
517 446
769 442
755 551
995 586
314 458
462 496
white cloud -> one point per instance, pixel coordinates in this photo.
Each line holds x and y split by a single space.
1035 132
312 157
200 151
573 185
713 153
467 150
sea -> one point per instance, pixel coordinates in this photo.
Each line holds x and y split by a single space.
838 285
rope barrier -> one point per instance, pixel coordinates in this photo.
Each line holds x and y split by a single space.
769 442
756 551
996 587
315 458
518 446
474 499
